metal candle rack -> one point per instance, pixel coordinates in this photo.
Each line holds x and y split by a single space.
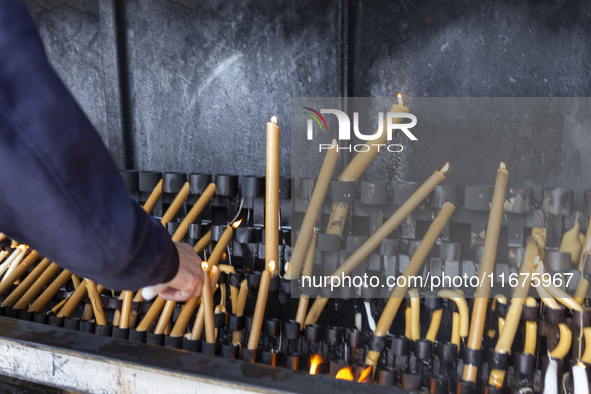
337 340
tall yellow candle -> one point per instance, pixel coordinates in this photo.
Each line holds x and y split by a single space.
486 268
374 241
272 193
414 264
307 228
199 319
259 310
208 305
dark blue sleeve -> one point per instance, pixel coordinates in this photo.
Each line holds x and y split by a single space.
60 191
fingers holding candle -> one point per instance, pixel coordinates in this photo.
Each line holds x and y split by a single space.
188 281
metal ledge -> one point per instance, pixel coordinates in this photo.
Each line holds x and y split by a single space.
90 363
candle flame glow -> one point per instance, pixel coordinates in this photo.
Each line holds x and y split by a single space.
364 374
400 102
204 265
502 166
315 361
445 168
237 223
345 374
271 266
582 365
274 119
23 247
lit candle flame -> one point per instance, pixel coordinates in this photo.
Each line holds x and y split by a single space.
400 102
274 119
204 265
364 374
23 247
345 374
502 166
445 168
271 266
237 223
582 365
315 361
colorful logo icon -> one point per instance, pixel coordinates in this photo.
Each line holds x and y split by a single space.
315 115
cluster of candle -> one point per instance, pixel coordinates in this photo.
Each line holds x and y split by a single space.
35 290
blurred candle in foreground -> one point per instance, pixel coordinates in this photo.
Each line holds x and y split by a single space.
580 381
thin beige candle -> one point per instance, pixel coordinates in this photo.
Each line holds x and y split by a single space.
374 241
20 270
486 268
183 320
151 315
259 309
200 318
242 297
117 314
194 212
207 297
13 260
58 306
126 309
530 259
316 200
75 281
50 291
240 305
414 264
272 194
463 313
95 301
154 197
175 205
415 315
307 271
203 242
45 269
73 301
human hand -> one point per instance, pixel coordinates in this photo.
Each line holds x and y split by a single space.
188 281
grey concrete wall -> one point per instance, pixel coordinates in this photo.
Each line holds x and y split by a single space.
187 85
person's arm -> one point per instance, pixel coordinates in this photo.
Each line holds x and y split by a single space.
60 191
